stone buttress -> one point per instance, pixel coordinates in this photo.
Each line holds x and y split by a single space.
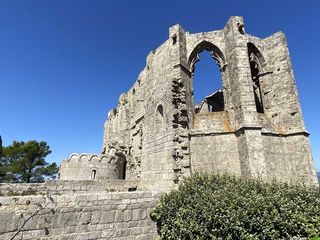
252 127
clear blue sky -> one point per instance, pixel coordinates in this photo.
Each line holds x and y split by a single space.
63 64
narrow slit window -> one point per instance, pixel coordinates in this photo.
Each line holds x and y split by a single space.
159 116
93 174
255 59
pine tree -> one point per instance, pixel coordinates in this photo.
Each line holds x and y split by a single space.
25 162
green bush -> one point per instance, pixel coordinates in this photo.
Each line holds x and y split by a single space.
227 207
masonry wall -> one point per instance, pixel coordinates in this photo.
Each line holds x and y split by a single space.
56 187
162 138
137 128
92 167
278 86
289 156
94 214
212 153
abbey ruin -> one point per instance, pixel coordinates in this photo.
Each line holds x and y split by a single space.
251 127
157 135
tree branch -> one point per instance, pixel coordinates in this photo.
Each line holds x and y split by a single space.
31 216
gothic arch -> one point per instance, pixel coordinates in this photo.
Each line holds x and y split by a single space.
159 116
257 64
121 164
256 56
214 51
215 101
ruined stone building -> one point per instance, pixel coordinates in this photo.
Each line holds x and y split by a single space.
253 126
157 134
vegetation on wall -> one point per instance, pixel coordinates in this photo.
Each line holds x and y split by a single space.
227 207
25 162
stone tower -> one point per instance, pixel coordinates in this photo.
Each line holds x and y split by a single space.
253 126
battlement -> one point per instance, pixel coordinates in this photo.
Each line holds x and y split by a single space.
76 157
86 166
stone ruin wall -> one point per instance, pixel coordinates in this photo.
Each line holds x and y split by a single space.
156 127
92 167
134 127
77 210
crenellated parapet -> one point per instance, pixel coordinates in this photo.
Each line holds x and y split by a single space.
86 166
88 157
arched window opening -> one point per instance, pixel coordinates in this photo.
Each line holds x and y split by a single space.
207 79
93 174
159 116
123 172
121 167
256 61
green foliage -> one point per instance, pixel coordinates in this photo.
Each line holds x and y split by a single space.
25 162
226 207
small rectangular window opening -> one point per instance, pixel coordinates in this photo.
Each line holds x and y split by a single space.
93 174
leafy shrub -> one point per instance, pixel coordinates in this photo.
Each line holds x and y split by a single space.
227 207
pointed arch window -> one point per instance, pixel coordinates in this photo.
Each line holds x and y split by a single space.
214 100
256 61
159 116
